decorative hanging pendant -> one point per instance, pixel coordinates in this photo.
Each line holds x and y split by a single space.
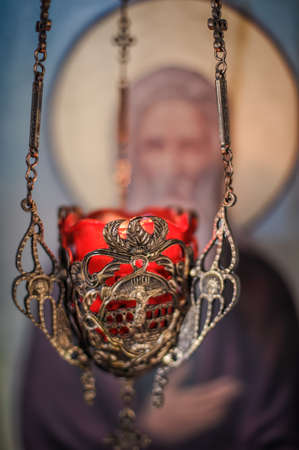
130 291
129 283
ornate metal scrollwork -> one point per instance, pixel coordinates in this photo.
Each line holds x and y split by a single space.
40 287
140 311
209 301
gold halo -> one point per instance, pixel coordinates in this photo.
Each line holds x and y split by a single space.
262 94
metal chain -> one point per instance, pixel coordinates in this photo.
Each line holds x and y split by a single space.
218 25
230 197
40 55
124 40
126 437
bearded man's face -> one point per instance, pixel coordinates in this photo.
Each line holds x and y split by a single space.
175 150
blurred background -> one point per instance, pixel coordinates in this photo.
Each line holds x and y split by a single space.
275 233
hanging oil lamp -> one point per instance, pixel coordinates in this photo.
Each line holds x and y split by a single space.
128 292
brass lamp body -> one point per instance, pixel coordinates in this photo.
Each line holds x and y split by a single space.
130 332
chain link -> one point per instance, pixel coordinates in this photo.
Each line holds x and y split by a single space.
40 56
227 157
218 25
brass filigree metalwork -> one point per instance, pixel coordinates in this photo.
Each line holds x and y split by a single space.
131 331
214 292
40 287
209 287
